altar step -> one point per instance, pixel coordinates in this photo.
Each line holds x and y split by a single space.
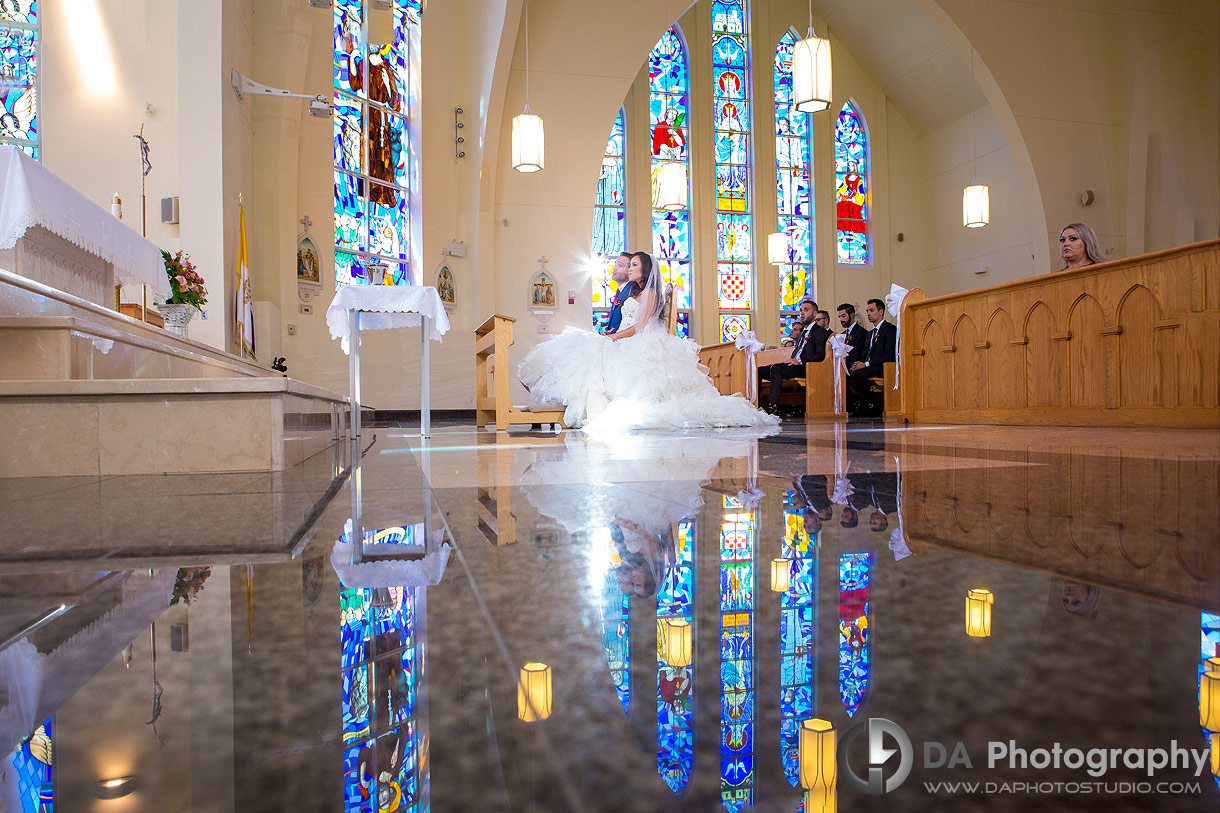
48 334
163 426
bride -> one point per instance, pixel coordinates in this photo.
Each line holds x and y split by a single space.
641 377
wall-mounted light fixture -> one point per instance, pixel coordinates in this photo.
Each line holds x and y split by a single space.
319 105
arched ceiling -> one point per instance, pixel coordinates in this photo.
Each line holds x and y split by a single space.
921 72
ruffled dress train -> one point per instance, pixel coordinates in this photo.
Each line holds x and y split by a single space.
651 380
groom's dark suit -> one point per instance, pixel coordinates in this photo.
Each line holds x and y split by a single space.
810 346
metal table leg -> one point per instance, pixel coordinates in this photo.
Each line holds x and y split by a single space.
425 383
353 357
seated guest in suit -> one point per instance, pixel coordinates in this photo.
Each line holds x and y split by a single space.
865 360
823 319
810 346
619 275
855 333
811 492
1078 246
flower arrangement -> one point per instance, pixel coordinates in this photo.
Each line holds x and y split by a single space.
186 284
188 583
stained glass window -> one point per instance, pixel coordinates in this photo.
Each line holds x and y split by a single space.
669 106
31 771
375 77
616 628
381 662
676 684
797 636
855 630
19 35
737 534
852 186
731 121
793 189
609 222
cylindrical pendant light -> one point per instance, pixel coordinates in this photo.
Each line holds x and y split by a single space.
677 642
781 574
778 247
816 757
1214 738
978 613
976 209
528 142
672 191
534 692
811 86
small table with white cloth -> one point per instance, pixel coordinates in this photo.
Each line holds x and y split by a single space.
382 307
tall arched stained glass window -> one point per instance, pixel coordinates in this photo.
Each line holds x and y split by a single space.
731 119
852 187
375 76
668 112
737 534
797 634
676 684
609 223
793 189
19 86
855 629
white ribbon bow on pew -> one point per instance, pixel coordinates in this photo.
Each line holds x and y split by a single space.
747 341
893 304
839 348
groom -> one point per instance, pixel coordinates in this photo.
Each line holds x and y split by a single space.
619 275
810 346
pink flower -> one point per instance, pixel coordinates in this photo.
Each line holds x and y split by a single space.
181 280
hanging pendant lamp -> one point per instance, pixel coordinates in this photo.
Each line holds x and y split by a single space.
528 134
811 85
778 248
672 188
976 203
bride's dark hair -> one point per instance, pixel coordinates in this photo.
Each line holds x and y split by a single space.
646 267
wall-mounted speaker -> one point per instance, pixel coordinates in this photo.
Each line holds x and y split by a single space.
169 210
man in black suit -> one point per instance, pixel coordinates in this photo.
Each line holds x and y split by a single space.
880 346
854 332
810 346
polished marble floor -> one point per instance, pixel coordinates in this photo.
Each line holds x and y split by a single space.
229 643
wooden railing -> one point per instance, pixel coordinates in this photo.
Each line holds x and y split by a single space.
1133 342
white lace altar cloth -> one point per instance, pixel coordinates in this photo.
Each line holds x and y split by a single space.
32 195
383 307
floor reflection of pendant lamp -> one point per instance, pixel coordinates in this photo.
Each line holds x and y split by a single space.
819 770
978 613
1209 697
677 642
781 575
534 692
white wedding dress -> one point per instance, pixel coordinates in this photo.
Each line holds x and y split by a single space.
650 380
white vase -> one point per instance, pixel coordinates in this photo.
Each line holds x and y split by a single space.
177 317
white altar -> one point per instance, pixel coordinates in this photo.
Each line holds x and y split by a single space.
51 233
